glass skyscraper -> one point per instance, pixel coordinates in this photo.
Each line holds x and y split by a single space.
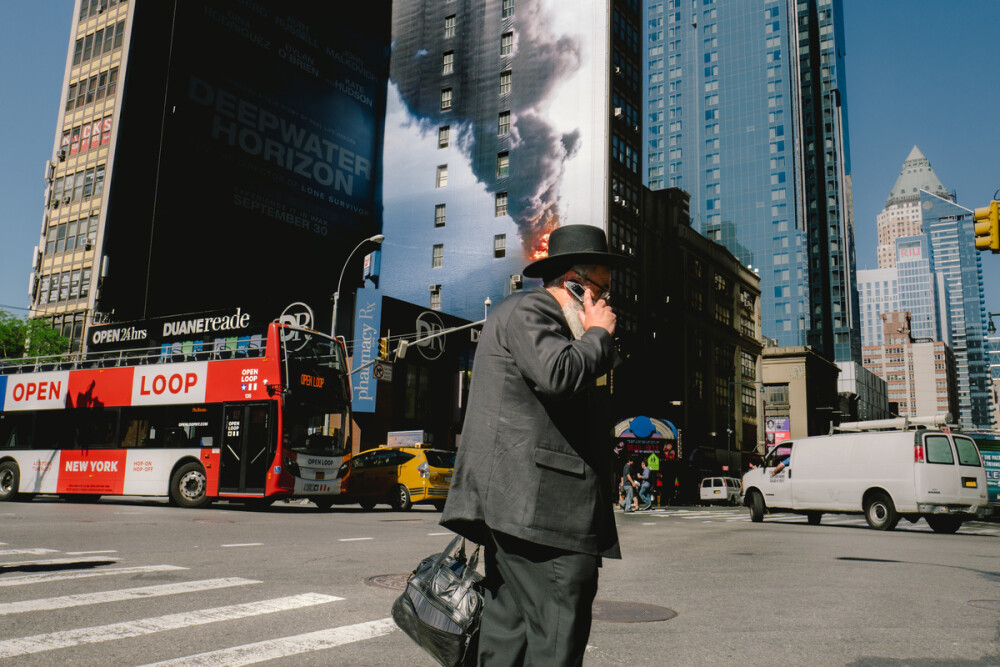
746 111
955 257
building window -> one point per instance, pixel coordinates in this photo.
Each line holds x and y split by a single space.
500 245
446 99
508 9
503 164
501 204
436 298
439 215
503 123
448 66
505 78
449 26
437 256
506 44
442 176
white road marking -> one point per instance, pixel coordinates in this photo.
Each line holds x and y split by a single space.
245 544
650 523
439 534
355 539
274 649
27 552
85 553
59 561
80 574
138 593
11 648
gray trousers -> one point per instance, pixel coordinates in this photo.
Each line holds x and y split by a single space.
538 602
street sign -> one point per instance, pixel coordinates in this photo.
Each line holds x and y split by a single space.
382 371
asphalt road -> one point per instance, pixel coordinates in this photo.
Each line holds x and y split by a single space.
136 582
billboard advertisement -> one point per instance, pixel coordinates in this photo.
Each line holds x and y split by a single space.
267 148
495 134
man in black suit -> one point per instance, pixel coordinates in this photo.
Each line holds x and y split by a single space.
532 477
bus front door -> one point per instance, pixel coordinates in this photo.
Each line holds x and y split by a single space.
246 448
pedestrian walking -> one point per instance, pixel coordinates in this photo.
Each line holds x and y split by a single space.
530 480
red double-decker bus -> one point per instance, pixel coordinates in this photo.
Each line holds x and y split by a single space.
271 421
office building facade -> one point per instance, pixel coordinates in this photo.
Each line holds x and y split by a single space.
270 125
746 110
920 375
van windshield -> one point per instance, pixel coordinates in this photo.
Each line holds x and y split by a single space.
968 453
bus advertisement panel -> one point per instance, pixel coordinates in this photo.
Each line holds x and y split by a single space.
194 430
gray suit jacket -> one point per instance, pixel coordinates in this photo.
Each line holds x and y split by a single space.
533 462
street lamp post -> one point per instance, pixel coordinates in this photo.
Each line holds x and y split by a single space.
378 238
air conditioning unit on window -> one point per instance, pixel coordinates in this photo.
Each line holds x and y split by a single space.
66 200
618 112
61 154
617 198
434 289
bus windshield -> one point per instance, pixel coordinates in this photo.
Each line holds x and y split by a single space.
317 404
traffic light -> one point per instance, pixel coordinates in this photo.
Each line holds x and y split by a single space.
987 221
383 348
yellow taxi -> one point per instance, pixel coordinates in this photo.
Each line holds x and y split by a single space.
399 476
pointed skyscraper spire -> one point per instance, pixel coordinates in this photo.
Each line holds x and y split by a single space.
915 176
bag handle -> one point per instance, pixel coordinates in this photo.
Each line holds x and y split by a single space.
471 562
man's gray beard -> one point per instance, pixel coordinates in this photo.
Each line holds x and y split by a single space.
571 312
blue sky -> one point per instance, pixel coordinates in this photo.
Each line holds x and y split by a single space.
919 72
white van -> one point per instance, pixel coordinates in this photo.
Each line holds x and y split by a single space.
887 475
720 489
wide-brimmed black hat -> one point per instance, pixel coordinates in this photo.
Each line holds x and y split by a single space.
575 244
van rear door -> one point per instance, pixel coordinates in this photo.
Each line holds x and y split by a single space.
939 479
972 488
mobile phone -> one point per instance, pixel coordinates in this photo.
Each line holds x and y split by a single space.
576 289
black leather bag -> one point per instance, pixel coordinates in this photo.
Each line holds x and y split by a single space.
442 605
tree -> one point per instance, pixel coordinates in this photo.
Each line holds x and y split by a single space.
29 337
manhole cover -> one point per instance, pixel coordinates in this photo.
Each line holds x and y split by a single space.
630 612
986 604
396 582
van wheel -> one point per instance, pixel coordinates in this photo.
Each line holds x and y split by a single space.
944 523
880 512
814 518
188 486
401 498
10 477
756 505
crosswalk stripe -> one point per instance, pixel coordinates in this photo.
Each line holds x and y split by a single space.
274 649
137 593
43 577
11 648
57 561
27 552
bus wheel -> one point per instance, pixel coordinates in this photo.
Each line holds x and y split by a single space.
756 504
9 479
401 498
188 485
943 523
322 502
880 512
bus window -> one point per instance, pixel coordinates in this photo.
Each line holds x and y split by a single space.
95 429
55 429
15 430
